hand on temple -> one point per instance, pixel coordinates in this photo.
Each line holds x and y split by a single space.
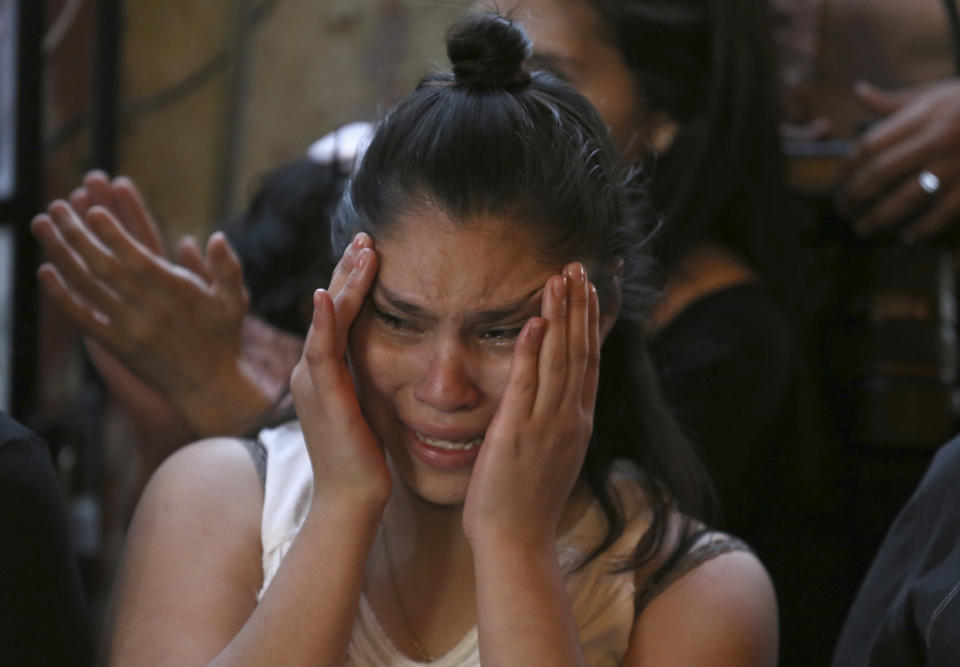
347 458
905 171
179 328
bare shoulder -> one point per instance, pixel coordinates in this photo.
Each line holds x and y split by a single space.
721 613
191 569
215 470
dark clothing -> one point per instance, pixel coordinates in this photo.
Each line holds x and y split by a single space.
43 616
907 611
725 364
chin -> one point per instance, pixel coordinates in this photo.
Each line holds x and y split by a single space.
443 488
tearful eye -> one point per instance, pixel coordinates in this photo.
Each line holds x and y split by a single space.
392 321
501 336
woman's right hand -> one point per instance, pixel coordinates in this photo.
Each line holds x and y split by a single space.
348 462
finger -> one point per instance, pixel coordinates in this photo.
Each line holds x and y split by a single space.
345 265
227 272
81 312
591 377
131 270
521 390
143 277
191 256
885 134
69 263
82 239
883 102
55 248
944 213
135 215
908 199
890 166
320 348
890 210
349 299
97 184
552 363
578 313
80 201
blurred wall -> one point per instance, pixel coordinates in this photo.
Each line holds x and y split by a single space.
199 86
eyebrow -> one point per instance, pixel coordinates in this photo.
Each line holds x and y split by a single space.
480 318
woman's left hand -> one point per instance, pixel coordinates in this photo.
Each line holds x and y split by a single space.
905 172
535 445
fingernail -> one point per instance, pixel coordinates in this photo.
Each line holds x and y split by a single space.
560 287
577 274
535 331
363 258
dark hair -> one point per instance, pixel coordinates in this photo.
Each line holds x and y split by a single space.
709 65
278 243
490 138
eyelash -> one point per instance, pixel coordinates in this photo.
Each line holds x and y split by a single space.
502 336
392 321
505 336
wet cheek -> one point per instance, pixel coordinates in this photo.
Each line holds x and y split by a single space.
496 376
380 369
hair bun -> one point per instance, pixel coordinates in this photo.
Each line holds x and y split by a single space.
487 51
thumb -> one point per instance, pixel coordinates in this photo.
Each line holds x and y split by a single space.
227 271
882 102
190 256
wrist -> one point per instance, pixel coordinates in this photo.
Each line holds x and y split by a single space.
353 513
519 548
231 402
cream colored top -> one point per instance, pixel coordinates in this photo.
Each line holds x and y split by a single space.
602 602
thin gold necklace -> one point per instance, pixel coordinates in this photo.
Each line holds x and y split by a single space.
422 654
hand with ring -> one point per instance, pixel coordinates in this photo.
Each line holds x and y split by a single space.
905 172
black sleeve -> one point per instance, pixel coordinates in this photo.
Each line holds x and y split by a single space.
725 364
43 615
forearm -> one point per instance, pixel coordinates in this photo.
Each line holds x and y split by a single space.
307 613
233 403
524 614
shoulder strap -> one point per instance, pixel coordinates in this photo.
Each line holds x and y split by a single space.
705 545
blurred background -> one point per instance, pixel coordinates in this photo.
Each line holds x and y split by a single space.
194 100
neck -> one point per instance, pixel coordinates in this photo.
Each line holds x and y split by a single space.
427 536
422 548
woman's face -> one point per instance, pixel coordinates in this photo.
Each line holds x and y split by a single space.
431 348
567 39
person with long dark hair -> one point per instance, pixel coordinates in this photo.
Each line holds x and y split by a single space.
688 91
483 468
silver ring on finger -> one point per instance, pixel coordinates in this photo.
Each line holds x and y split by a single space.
929 182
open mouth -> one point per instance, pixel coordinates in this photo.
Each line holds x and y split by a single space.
443 453
451 445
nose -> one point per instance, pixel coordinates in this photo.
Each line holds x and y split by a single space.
447 385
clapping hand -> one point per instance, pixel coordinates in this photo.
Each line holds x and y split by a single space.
176 327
